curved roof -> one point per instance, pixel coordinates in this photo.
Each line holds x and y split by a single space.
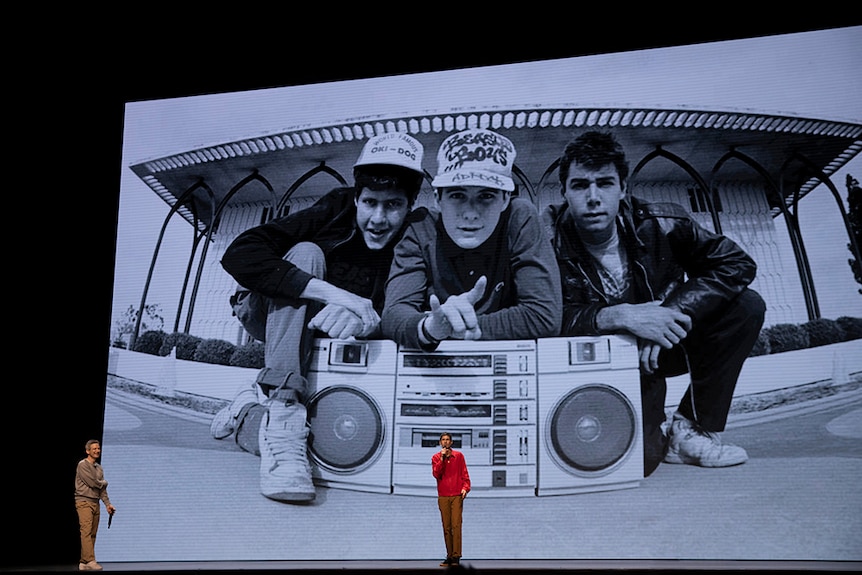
699 137
695 102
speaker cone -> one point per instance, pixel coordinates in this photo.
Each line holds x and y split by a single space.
346 429
592 429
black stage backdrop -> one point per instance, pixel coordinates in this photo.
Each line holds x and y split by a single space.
70 189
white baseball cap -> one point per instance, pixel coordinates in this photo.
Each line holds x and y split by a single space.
475 157
394 149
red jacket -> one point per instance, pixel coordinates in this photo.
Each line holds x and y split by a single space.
451 475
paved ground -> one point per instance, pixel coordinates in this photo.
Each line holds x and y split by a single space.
797 499
796 505
744 404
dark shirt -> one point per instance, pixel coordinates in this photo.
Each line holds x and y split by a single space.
256 261
355 268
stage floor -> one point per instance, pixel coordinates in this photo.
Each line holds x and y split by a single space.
484 566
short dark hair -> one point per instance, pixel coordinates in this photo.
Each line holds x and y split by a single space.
383 177
594 150
445 434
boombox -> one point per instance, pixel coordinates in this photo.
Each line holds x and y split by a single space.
350 413
484 394
589 414
532 417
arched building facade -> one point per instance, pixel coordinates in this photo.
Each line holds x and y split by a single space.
736 172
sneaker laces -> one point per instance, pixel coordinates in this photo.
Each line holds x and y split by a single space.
708 442
289 449
694 427
713 435
691 443
288 444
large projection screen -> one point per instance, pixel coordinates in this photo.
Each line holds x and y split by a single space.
185 496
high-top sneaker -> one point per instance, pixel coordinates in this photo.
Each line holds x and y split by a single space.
285 474
227 420
689 443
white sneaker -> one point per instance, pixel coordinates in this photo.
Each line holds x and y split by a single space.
228 418
285 474
688 443
90 566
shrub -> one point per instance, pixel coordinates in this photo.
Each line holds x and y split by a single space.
150 342
248 355
186 345
786 337
852 327
761 346
823 331
216 351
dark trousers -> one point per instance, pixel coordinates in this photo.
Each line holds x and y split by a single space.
712 353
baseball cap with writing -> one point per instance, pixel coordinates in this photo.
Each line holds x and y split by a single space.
394 149
475 157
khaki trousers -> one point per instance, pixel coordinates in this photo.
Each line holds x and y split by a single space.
451 510
88 520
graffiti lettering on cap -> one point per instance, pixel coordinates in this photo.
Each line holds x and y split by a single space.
478 137
483 177
457 158
469 154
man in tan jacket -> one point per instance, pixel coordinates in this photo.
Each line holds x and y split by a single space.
90 487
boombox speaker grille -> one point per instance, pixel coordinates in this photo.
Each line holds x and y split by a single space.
346 429
592 428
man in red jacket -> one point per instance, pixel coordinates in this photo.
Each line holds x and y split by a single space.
453 483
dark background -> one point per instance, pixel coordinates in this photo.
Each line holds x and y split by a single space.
71 188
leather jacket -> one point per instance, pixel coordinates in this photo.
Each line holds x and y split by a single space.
672 259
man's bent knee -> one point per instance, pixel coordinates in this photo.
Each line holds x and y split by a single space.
308 257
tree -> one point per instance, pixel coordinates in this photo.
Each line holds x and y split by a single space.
125 325
854 217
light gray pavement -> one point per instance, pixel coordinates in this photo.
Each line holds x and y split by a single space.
183 496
